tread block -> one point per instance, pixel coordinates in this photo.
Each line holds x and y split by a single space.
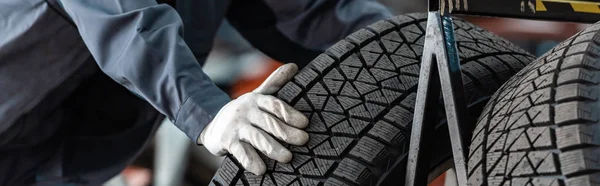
284 168
350 72
334 182
523 169
577 75
351 61
517 120
359 111
348 102
335 75
546 181
332 119
403 19
477 178
374 109
541 96
402 61
576 91
376 97
335 148
318 89
324 165
394 84
494 159
310 169
305 76
577 135
381 26
358 125
543 81
333 86
322 62
316 124
284 179
391 41
317 101
519 181
371 58
388 133
385 63
340 49
373 47
370 150
302 105
500 168
399 116
228 172
361 36
584 180
514 158
411 71
540 137
365 76
406 51
316 139
497 124
308 182
364 88
268 181
333 106
540 115
253 180
288 92
381 75
580 61
344 128
354 172
409 101
548 67
580 160
575 111
349 91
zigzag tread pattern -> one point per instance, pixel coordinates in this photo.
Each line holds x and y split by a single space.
359 97
542 127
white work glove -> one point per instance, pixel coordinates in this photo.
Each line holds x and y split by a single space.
244 123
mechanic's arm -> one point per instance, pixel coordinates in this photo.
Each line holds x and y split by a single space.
137 43
298 30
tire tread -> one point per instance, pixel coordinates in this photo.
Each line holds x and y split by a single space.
542 127
359 96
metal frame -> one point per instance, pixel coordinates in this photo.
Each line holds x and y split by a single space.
440 72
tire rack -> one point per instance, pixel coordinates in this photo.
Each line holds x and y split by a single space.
440 72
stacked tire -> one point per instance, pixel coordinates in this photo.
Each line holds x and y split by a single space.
541 127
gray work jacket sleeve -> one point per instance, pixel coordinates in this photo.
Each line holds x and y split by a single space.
299 30
138 44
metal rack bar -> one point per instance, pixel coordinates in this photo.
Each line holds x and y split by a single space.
440 72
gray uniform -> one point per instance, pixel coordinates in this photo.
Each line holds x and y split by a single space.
68 70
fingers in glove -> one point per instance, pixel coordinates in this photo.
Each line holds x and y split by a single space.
277 79
265 143
278 128
248 157
283 111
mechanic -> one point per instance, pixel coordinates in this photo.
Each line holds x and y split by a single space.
84 83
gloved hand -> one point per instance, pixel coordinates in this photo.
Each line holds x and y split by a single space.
244 123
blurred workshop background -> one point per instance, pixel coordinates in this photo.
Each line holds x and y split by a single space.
237 68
